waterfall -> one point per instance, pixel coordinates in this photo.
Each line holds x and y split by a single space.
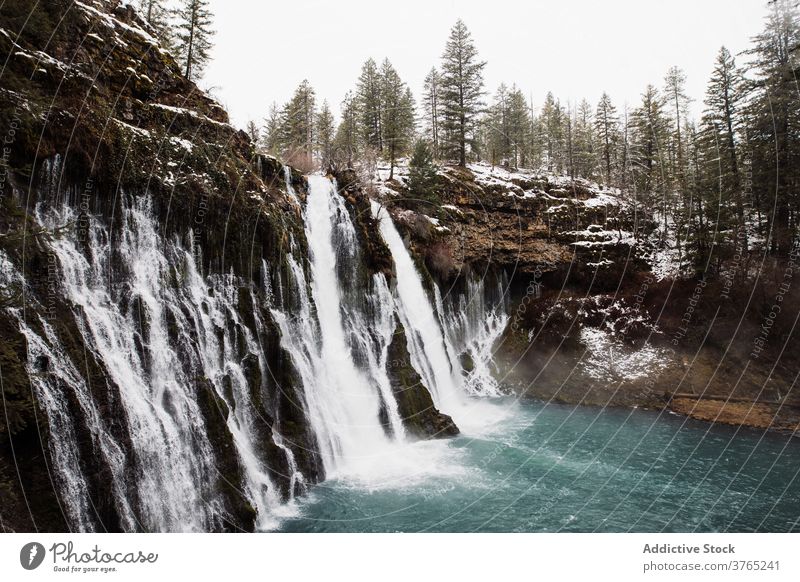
183 356
438 336
472 327
426 341
158 327
338 350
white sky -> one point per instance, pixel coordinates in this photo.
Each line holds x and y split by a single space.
574 48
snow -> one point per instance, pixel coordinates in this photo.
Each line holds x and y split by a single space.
191 113
137 130
608 359
665 259
183 143
9 275
113 23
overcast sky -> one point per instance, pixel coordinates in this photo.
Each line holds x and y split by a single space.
574 48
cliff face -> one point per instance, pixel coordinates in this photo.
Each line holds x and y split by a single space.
145 244
598 315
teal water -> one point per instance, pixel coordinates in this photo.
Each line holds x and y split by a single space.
548 468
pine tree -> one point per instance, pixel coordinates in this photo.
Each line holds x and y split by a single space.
253 132
157 16
552 128
297 125
431 112
324 135
271 138
649 162
674 90
422 172
496 130
720 126
397 114
518 127
585 148
774 121
346 142
368 93
461 92
607 130
194 37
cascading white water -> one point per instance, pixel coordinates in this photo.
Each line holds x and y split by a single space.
472 328
163 332
166 429
426 341
52 374
222 364
173 457
341 398
438 336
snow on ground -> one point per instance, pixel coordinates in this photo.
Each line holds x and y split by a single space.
383 169
665 259
113 23
191 113
137 130
609 359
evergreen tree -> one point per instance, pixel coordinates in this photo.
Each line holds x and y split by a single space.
774 121
194 37
461 92
368 94
721 124
157 16
607 130
518 127
496 130
271 138
325 135
585 147
431 112
552 129
649 164
674 90
346 142
397 115
253 132
297 125
422 172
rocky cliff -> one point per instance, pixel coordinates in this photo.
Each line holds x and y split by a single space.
136 218
601 311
